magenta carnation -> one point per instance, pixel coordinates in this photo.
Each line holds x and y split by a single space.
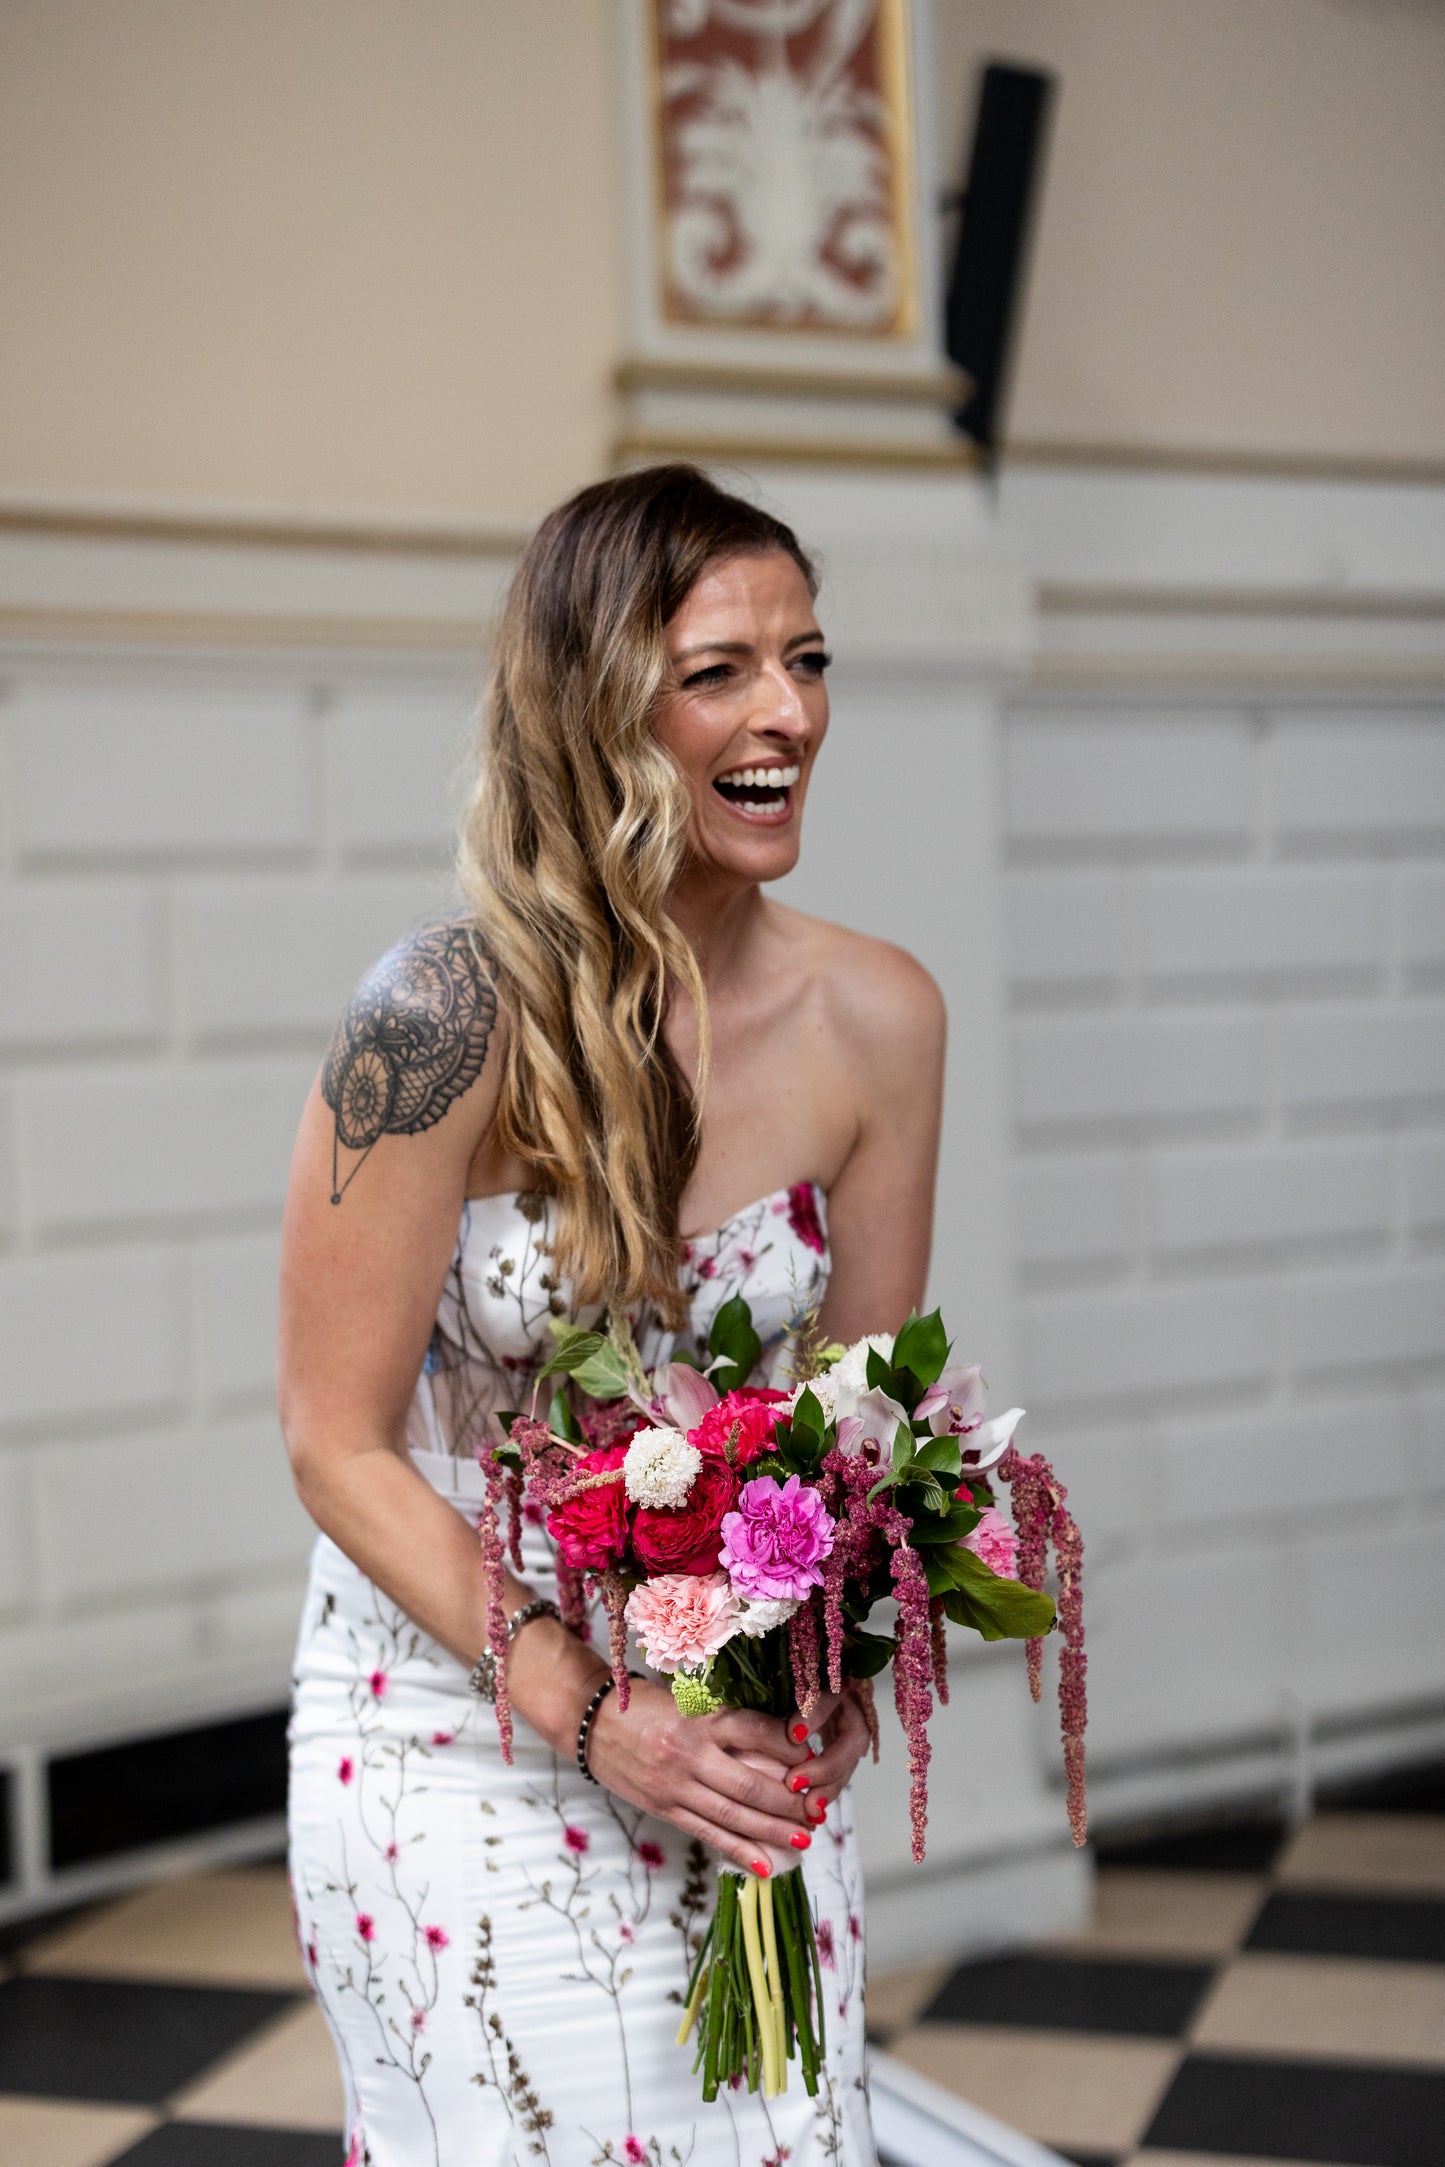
775 1543
994 1541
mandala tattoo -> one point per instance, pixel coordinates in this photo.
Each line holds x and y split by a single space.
412 1041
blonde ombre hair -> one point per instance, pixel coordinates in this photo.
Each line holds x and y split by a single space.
577 829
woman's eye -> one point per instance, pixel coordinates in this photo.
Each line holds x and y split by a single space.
815 661
714 674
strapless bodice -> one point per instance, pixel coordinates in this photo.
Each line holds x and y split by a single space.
491 1334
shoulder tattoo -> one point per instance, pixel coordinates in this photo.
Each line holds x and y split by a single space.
412 1041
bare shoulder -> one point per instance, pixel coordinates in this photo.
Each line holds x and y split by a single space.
878 995
414 1036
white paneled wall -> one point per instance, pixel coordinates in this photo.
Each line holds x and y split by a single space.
1226 950
197 861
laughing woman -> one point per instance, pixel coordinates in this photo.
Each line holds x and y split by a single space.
625 1078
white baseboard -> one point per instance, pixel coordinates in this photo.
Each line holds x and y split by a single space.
918 2124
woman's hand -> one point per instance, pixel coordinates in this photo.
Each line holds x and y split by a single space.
687 1770
838 1721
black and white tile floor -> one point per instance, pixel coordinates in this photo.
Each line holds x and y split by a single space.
1240 1997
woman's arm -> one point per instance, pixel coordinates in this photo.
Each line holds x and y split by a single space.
891 1027
360 1283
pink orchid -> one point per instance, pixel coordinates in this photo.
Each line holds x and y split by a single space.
683 1395
953 1407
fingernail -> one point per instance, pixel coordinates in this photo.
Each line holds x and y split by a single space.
761 1868
799 1841
798 1732
797 1782
822 1812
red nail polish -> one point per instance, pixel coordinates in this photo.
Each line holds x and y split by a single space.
798 1732
799 1841
797 1782
822 1812
762 1869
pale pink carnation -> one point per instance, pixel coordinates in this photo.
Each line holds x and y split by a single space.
683 1618
994 1541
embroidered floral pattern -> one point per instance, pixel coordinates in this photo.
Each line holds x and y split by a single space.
500 1953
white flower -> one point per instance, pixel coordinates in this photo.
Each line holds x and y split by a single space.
759 1615
823 1389
660 1467
850 1372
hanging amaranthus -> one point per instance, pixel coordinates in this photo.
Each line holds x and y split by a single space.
1041 1517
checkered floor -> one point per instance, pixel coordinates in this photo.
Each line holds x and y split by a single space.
1239 1997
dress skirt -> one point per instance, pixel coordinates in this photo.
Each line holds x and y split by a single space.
502 1953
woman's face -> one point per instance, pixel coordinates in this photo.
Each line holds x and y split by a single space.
744 709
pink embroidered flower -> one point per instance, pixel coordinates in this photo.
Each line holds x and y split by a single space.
651 1854
803 1216
577 1840
418 2020
437 1937
995 1542
377 1682
311 1957
443 1738
625 1934
366 1926
683 1618
855 1927
747 1258
827 1953
392 1853
353 2156
706 1267
775 1543
345 1769
634 2151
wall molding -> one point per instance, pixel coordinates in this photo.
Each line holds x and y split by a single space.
82 519
1244 462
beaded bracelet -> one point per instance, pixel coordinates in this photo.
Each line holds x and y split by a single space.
585 1726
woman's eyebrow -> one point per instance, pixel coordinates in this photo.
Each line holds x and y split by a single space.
741 647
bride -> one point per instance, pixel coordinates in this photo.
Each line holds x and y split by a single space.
625 1077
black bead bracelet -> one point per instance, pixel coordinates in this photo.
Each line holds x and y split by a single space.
585 1726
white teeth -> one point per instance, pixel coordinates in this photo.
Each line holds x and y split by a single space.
762 778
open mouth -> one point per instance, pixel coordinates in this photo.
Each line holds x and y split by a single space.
759 793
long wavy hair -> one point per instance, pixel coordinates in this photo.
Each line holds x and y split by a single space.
576 831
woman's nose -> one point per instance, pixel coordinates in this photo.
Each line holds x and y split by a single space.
781 704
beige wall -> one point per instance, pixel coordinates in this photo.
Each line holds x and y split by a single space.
1243 244
354 254
313 252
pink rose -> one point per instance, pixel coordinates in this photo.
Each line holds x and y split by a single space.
994 1541
685 1538
683 1618
590 1529
755 1411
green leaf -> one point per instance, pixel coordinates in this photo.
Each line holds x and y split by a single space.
903 1443
602 1376
951 1526
922 1346
879 1372
999 1609
865 1654
732 1336
808 1414
574 1347
562 1420
943 1455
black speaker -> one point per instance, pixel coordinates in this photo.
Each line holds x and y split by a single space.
997 206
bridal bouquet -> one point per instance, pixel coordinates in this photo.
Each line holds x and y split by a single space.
745 1535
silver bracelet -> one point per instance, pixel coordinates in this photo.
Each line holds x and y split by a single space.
483 1679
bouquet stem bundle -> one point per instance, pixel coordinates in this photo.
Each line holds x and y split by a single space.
755 1987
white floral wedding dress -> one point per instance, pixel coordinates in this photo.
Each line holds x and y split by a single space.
501 1952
